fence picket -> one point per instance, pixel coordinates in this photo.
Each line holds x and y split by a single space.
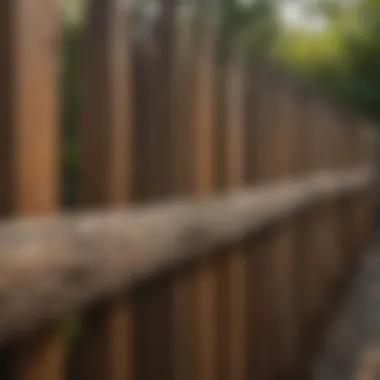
29 150
236 295
106 168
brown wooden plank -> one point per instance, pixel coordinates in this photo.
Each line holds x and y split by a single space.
154 107
193 159
235 298
260 309
184 323
261 261
158 310
286 144
206 322
265 129
337 260
152 306
106 128
344 122
29 128
356 199
364 157
323 231
328 250
320 228
308 266
106 169
29 148
203 184
190 302
277 143
301 275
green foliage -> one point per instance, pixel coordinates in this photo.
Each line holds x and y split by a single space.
344 55
252 26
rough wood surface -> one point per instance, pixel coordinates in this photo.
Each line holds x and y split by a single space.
51 265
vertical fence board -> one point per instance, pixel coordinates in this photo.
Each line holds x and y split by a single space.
105 346
307 266
153 315
235 297
327 211
319 252
261 261
301 275
184 290
157 353
29 149
286 147
195 289
365 158
203 181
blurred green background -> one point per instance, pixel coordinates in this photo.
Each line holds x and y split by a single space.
334 42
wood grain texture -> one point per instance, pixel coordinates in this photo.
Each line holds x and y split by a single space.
203 185
105 251
287 145
234 363
29 150
105 347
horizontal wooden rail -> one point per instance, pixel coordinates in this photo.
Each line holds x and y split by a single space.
53 265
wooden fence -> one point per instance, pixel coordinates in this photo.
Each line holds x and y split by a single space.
264 191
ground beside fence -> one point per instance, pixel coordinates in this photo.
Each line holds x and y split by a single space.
352 347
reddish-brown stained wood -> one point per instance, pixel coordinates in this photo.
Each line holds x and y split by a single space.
29 126
260 332
326 233
184 326
203 166
286 144
265 129
29 149
206 319
233 284
40 357
106 169
337 266
106 129
318 160
363 203
195 331
235 123
153 333
261 258
157 310
307 266
203 153
184 292
237 260
154 87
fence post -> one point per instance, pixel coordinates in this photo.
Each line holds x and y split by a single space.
29 149
365 158
285 147
308 266
260 260
233 327
106 174
204 182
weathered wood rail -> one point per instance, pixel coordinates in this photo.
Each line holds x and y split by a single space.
239 201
